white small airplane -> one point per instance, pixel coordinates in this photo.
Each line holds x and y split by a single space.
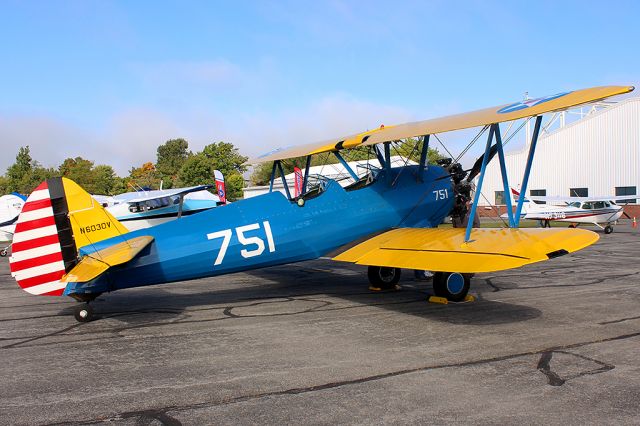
598 211
10 208
143 209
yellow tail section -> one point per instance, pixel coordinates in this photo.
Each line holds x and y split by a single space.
90 221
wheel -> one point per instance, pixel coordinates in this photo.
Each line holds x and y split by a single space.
3 253
83 312
453 286
608 229
383 278
572 226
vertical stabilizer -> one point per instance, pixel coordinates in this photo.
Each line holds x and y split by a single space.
57 219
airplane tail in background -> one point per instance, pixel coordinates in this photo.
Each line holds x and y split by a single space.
222 194
516 195
57 219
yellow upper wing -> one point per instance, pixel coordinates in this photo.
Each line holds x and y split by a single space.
445 250
498 114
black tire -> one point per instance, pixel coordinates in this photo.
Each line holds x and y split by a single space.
453 286
572 226
608 229
383 278
83 312
3 252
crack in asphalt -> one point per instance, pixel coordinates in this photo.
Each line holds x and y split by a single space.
543 364
555 380
618 320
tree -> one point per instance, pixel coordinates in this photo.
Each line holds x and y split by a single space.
198 169
25 174
410 148
144 176
171 156
80 171
225 157
105 181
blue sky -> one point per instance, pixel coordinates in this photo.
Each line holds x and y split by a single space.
112 80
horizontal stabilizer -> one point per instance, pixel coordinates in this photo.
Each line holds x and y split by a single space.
445 249
93 265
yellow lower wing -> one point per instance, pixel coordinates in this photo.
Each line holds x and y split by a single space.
91 266
445 249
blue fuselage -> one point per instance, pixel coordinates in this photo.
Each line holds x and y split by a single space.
270 230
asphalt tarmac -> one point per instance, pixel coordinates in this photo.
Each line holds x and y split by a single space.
551 343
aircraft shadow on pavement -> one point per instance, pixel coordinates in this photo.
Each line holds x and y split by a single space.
298 285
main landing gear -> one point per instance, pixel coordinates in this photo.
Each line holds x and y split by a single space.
452 286
608 229
383 279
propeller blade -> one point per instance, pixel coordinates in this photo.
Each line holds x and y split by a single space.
478 164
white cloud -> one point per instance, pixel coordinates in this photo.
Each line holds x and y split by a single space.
131 137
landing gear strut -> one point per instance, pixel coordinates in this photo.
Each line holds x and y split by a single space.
382 278
453 286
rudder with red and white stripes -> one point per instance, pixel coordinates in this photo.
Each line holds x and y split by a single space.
43 246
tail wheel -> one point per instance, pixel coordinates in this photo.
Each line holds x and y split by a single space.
608 229
453 286
383 278
83 312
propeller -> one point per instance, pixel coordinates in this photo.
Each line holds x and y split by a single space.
475 170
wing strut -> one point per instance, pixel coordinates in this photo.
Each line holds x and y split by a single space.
284 180
505 181
527 170
306 174
476 197
423 156
346 166
387 164
273 175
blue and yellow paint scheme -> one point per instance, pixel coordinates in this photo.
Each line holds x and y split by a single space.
271 230
67 243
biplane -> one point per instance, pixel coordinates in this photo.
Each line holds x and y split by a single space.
67 244
596 210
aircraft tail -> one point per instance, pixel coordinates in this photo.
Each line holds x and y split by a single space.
57 219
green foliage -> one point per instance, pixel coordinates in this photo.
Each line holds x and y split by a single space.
225 157
410 148
106 181
99 179
176 166
25 174
171 157
198 169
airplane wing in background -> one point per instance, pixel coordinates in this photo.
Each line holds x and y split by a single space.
156 194
560 199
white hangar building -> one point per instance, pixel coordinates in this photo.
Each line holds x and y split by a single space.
596 155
